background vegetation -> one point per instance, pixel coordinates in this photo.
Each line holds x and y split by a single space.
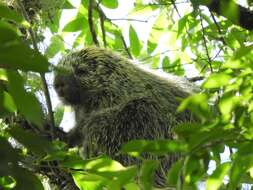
211 37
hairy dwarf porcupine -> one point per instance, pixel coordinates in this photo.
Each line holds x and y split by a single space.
115 102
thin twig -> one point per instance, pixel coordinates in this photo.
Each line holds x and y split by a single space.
91 24
127 19
42 75
121 36
102 26
205 43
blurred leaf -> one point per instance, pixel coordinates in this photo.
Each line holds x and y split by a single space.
26 103
6 103
79 23
148 169
165 63
157 146
217 80
182 24
111 4
58 114
228 102
7 13
36 144
9 156
67 5
131 186
240 166
102 170
55 46
7 182
134 41
193 170
25 179
198 104
25 58
7 33
242 51
89 182
157 31
173 176
217 177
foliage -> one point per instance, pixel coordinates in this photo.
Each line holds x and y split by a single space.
181 35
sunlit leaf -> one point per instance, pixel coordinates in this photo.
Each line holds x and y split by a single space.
217 80
131 186
55 46
58 115
112 4
197 103
243 51
228 102
7 102
216 179
157 147
67 5
79 23
156 32
134 41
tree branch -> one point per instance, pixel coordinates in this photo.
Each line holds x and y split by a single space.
240 16
42 75
91 24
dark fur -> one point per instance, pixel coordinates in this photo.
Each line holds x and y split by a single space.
115 102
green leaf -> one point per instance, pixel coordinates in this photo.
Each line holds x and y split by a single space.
166 63
102 170
58 115
7 13
55 46
79 23
193 170
67 5
157 31
217 80
25 58
34 143
240 166
111 4
7 33
216 179
173 176
7 102
156 146
198 104
131 186
148 169
242 51
89 182
26 103
228 102
7 182
8 155
135 44
25 179
182 24
151 46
